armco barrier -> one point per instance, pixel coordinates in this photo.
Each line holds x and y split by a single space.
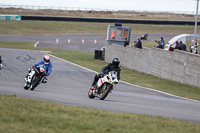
107 20
178 66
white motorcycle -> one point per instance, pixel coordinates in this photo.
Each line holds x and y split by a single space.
104 86
35 76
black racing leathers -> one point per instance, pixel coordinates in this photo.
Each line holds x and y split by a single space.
105 70
110 67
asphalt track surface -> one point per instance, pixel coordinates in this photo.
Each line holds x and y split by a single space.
69 84
75 40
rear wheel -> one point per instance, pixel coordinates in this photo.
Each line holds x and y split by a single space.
105 91
35 83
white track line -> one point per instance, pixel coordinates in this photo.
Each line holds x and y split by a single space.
129 83
35 45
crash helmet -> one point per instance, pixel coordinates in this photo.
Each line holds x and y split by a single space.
161 38
46 59
116 61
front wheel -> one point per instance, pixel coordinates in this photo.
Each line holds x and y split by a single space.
35 83
105 91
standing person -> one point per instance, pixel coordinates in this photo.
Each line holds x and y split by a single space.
1 66
112 35
194 47
138 44
156 44
183 46
159 45
177 45
162 42
196 44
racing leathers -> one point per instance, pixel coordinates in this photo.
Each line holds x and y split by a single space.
105 70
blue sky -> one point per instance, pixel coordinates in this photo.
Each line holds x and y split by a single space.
144 5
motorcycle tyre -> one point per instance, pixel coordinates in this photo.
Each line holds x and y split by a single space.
108 89
90 94
35 83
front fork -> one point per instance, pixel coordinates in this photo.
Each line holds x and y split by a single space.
29 76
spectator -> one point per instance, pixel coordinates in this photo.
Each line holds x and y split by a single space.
194 47
126 42
162 42
177 45
196 44
156 44
112 36
138 44
182 46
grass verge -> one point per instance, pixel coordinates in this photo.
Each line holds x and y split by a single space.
52 27
86 59
27 115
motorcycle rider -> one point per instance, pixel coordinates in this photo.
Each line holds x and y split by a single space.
46 64
1 66
105 70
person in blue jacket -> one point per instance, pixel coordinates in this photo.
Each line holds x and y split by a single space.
44 63
162 42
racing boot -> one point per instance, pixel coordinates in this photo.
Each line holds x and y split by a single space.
93 87
44 80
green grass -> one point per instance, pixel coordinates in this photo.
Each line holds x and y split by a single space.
26 115
86 59
52 27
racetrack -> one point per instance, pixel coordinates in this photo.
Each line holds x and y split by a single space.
49 41
69 84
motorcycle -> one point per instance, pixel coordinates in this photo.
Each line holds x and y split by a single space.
144 37
104 86
38 75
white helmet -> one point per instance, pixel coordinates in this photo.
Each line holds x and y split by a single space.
46 59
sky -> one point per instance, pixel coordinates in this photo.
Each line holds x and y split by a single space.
138 5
